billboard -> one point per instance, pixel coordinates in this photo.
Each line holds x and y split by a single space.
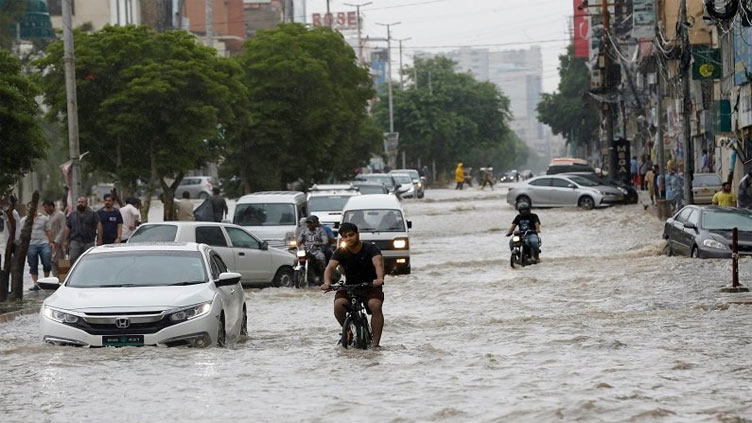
742 52
581 30
643 19
340 21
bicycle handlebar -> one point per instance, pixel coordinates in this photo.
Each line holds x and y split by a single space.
337 287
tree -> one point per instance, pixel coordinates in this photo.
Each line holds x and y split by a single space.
307 118
448 114
21 139
567 111
151 105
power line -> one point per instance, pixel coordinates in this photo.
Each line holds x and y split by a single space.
511 43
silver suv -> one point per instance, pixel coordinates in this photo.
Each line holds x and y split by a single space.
197 186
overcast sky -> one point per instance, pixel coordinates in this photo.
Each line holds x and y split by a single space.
442 25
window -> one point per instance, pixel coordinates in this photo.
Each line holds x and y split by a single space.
242 239
265 214
328 202
726 221
211 235
376 220
683 215
694 217
560 183
138 268
706 181
214 267
543 182
155 233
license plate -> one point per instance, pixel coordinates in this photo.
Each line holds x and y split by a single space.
123 340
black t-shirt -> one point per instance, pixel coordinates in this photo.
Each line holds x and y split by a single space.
359 266
526 223
110 221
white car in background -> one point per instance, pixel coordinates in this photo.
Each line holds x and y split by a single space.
145 294
406 187
327 201
257 263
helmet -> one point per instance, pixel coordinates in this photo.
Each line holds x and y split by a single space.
312 219
523 206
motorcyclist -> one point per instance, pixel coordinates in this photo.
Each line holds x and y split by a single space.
314 240
527 221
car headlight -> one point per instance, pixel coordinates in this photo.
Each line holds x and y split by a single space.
301 253
622 190
59 316
399 243
191 312
516 239
711 243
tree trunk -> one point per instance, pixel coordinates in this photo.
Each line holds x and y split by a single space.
19 255
151 186
168 197
10 229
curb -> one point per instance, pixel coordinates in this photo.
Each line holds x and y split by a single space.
11 316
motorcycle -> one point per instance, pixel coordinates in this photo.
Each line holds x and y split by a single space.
522 252
306 271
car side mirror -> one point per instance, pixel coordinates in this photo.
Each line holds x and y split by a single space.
264 245
227 279
573 186
409 224
51 283
690 225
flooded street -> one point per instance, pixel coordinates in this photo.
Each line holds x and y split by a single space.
604 329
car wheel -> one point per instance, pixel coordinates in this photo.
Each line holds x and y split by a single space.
695 252
283 278
203 195
523 199
669 249
586 203
244 325
221 334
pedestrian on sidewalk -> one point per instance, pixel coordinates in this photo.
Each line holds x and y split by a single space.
131 215
81 229
634 170
487 176
459 176
184 208
650 183
57 227
40 246
110 228
724 197
219 205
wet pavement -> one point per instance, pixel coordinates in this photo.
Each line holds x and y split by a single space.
604 329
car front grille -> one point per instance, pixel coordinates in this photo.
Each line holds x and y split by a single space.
138 324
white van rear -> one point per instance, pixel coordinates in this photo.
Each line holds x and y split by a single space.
272 216
381 220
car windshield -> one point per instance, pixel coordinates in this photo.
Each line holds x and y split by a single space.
371 189
706 181
138 269
154 233
327 202
376 220
384 179
414 175
718 220
403 179
579 180
265 214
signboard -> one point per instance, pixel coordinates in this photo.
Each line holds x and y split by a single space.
622 160
643 19
340 21
706 63
581 30
742 53
391 142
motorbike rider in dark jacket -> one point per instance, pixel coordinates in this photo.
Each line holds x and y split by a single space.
527 221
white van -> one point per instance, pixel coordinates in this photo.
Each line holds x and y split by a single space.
273 216
381 220
327 201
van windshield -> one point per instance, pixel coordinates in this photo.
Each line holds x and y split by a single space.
265 214
327 202
376 220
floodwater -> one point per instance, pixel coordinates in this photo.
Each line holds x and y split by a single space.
604 329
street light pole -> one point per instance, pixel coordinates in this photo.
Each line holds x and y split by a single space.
389 70
402 84
360 39
69 63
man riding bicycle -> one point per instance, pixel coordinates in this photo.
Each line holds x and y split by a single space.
314 240
527 222
363 263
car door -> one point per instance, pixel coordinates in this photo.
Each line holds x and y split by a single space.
232 295
214 236
676 238
563 192
250 260
540 192
688 234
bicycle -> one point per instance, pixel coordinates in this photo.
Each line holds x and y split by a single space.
356 331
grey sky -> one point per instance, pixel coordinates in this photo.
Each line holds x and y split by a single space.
493 24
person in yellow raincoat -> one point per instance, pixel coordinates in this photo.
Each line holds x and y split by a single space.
459 176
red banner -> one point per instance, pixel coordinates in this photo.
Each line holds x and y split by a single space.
581 30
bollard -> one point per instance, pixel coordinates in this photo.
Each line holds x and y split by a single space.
735 285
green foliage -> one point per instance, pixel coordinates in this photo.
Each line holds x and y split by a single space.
150 105
21 139
567 111
448 116
11 12
307 118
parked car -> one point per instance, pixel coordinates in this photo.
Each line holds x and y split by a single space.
568 165
197 186
383 178
704 186
273 216
368 188
705 231
509 177
406 186
381 220
175 294
630 193
327 201
419 182
563 191
241 251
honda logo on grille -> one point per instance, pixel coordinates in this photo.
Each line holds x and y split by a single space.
122 323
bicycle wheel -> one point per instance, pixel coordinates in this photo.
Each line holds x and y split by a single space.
363 338
349 333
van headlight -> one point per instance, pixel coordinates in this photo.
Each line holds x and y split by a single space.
399 243
191 312
711 243
59 316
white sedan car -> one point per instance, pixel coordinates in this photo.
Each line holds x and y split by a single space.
146 294
257 263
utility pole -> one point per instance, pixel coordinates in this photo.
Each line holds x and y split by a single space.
659 123
402 83
392 158
209 22
687 104
69 62
606 107
360 36
328 14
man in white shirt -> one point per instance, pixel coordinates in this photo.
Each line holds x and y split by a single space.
131 217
